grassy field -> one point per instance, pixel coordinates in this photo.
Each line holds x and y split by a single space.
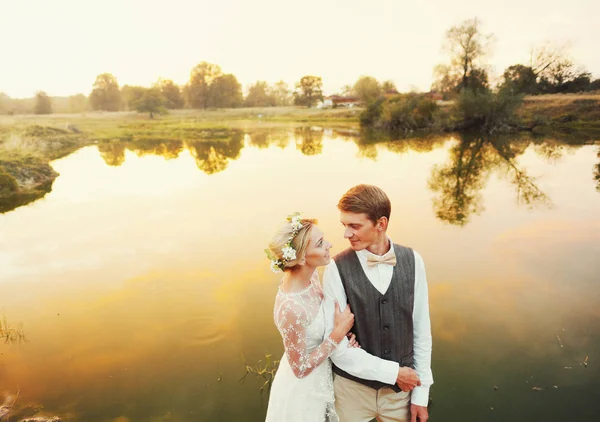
562 112
105 125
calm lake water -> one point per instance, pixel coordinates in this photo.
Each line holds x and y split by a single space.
143 289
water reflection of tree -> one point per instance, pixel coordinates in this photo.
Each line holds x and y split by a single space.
551 150
113 153
214 156
460 182
369 141
309 141
168 149
264 138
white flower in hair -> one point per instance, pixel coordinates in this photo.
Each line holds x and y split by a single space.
289 253
296 223
275 266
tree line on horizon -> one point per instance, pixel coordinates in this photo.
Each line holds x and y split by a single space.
549 71
479 102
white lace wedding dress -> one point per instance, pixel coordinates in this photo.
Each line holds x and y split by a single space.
302 390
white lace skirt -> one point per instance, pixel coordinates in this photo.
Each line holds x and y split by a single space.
308 399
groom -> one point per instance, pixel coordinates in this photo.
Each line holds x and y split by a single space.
386 287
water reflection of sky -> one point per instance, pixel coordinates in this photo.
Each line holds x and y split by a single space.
142 283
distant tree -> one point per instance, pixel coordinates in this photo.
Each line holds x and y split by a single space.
171 93
562 74
43 103
77 103
131 94
389 87
347 91
225 92
259 96
580 83
197 91
367 89
544 56
446 80
520 79
105 94
280 92
478 81
151 101
467 46
308 91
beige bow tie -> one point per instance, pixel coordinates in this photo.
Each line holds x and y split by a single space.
389 258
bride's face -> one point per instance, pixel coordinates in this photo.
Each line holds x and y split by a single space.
317 251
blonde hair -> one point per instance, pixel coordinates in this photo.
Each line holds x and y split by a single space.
300 242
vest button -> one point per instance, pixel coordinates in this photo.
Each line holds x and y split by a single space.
384 301
386 327
386 351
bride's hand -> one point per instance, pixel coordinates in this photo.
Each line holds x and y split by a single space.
343 322
352 342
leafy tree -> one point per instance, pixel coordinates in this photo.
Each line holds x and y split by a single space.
131 94
562 73
520 79
225 92
367 89
259 96
105 93
171 93
467 47
308 91
280 92
446 80
389 87
197 91
43 103
151 101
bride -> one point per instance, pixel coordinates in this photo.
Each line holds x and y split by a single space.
302 390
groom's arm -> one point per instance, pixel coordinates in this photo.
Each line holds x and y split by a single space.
422 335
353 360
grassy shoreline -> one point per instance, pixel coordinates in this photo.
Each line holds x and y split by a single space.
28 142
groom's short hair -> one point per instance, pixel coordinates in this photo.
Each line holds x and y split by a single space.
367 199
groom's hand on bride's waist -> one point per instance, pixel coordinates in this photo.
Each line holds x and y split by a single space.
407 378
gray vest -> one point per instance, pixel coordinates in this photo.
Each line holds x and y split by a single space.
383 324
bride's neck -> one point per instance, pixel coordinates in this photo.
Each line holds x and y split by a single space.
297 278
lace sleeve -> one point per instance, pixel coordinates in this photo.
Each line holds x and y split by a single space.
291 321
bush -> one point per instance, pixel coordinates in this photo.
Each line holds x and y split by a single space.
487 111
403 113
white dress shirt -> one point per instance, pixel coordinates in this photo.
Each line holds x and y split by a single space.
364 364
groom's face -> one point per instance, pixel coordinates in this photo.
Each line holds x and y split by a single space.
359 230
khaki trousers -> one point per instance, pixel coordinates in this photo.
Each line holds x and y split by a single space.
355 402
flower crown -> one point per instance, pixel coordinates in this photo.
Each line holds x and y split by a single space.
289 253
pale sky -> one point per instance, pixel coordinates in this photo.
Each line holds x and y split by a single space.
59 46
